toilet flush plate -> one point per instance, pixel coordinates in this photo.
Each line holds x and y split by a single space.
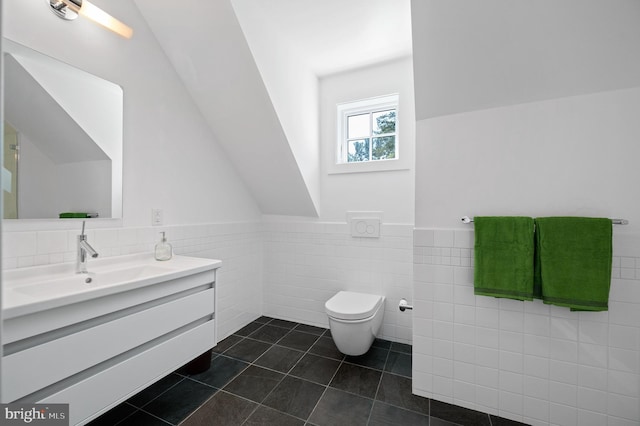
365 227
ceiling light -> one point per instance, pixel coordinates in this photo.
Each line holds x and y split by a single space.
70 9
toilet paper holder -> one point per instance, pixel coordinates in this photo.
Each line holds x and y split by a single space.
404 305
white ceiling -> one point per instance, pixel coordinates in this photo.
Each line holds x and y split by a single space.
330 36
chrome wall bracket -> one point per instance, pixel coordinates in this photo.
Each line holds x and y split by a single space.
404 305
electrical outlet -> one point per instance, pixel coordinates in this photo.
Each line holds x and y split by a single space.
156 217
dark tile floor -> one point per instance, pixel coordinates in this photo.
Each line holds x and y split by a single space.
275 372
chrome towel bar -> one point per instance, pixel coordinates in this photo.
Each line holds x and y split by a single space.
467 219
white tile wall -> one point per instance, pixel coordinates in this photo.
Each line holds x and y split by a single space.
527 361
296 265
238 245
306 263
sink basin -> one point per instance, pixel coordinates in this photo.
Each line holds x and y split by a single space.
77 283
28 290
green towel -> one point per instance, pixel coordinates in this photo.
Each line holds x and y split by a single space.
573 261
504 257
77 215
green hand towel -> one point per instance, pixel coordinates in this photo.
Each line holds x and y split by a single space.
573 261
504 257
77 215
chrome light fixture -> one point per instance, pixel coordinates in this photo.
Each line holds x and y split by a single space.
70 9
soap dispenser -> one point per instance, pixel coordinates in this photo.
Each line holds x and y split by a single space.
164 251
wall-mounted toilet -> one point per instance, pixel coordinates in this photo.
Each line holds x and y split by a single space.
354 319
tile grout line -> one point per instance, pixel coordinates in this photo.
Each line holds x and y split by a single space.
249 364
152 415
284 374
288 373
141 408
318 337
325 389
158 395
375 396
218 390
343 360
136 409
218 354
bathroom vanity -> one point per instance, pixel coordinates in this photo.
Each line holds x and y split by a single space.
93 340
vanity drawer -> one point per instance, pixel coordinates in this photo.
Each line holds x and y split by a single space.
37 367
25 326
119 382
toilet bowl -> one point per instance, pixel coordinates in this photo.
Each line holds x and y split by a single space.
354 319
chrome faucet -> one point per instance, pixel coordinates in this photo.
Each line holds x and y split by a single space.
84 249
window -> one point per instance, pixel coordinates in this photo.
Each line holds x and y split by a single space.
367 130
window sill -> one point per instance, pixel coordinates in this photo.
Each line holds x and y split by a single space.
368 167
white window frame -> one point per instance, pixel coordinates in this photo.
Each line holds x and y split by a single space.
346 109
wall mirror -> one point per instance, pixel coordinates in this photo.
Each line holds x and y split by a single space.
62 140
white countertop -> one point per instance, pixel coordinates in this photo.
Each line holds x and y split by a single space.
34 289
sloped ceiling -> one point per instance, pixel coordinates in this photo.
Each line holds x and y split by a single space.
471 55
258 106
205 44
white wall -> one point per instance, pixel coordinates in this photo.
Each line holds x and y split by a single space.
172 160
38 197
525 360
83 196
46 188
567 156
525 108
391 192
308 261
478 55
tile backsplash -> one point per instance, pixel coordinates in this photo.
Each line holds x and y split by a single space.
238 245
284 269
306 263
526 361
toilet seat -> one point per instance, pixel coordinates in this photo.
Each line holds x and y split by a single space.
349 305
